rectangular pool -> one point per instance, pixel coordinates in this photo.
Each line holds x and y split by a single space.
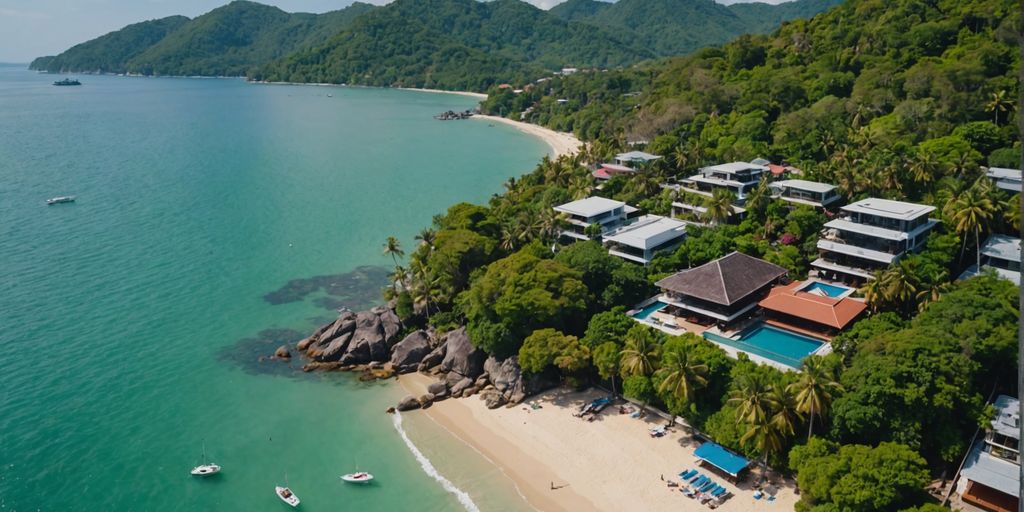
772 343
649 310
831 290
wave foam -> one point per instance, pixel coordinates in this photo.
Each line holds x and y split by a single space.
429 469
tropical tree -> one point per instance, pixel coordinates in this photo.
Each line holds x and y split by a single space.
719 206
393 248
750 396
758 199
971 212
681 373
924 168
581 186
640 355
813 390
549 224
900 285
999 101
427 236
606 360
765 437
785 410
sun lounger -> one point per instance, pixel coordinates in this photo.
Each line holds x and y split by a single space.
687 474
718 492
698 483
758 495
696 476
708 486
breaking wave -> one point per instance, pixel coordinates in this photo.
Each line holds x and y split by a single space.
429 468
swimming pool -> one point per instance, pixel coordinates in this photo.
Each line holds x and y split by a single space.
772 343
831 290
649 310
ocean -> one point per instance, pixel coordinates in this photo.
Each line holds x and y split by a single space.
216 220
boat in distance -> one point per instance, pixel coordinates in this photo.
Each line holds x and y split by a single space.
361 477
287 496
60 199
67 81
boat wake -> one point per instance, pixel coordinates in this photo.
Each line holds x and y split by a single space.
428 468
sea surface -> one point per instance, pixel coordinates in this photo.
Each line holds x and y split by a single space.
215 221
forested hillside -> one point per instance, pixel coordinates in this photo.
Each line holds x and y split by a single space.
110 53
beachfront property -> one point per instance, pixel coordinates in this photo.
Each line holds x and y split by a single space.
1006 179
1000 253
812 308
870 235
606 214
642 240
736 177
809 193
990 478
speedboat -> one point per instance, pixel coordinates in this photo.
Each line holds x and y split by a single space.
360 477
287 495
205 470
60 199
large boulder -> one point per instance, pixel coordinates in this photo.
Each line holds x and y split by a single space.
438 389
460 386
426 400
461 356
503 374
390 323
407 354
282 352
367 342
493 399
408 403
435 357
332 350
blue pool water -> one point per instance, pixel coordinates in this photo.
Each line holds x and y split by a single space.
649 309
830 289
771 343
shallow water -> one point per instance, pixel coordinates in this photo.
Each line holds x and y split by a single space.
215 220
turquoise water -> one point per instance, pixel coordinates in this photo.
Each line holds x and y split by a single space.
215 220
649 310
771 343
830 290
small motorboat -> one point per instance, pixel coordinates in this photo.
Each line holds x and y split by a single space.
360 477
60 199
206 468
287 495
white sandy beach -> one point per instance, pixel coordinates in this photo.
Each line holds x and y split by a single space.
477 95
561 143
609 464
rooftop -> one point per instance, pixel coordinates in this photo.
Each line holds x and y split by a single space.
990 471
810 186
1007 420
734 167
648 232
889 209
1002 173
1002 247
636 155
590 206
832 312
617 168
724 281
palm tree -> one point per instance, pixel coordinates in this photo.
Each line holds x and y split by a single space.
785 412
398 278
924 168
640 356
900 284
874 291
719 206
549 224
750 396
971 212
644 184
766 438
814 390
681 158
427 237
758 199
999 102
393 248
581 186
681 373
932 289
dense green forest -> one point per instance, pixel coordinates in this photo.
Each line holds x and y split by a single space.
898 99
450 44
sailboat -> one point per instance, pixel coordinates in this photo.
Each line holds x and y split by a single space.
206 468
286 494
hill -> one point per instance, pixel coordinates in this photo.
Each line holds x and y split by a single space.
110 53
453 44
578 10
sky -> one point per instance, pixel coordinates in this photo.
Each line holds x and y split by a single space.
33 28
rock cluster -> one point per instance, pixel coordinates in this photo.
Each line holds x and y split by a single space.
367 341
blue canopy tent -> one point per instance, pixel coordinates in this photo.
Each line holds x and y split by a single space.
721 458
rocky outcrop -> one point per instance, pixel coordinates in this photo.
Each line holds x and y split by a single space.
354 338
438 389
460 386
434 358
461 357
407 354
282 352
493 398
426 400
408 403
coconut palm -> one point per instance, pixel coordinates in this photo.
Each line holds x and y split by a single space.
398 278
932 289
900 285
393 248
813 390
758 199
924 168
785 411
998 102
549 224
427 237
719 206
681 374
766 439
581 186
514 232
750 396
874 291
644 184
640 355
971 212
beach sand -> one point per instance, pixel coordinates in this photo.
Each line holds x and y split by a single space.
609 464
561 143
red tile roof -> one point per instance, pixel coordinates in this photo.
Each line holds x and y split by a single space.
837 313
777 170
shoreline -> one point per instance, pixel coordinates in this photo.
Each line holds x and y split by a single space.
561 143
610 464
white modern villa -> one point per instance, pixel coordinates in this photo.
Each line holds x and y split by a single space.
990 479
736 177
641 240
870 235
606 213
809 193
1006 179
634 158
1000 253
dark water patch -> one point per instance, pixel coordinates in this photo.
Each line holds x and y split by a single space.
254 355
357 290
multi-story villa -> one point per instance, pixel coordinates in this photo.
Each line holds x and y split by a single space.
606 214
649 235
1000 253
810 193
736 177
871 235
990 479
1006 179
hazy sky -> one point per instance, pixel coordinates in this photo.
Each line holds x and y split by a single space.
31 28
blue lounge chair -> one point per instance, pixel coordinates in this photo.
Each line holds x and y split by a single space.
696 476
708 486
699 482
687 474
718 492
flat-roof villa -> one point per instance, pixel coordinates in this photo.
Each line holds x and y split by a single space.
810 193
642 240
625 163
582 213
1006 179
1000 253
990 478
871 235
737 177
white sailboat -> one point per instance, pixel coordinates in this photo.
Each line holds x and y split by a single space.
359 477
286 494
206 468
